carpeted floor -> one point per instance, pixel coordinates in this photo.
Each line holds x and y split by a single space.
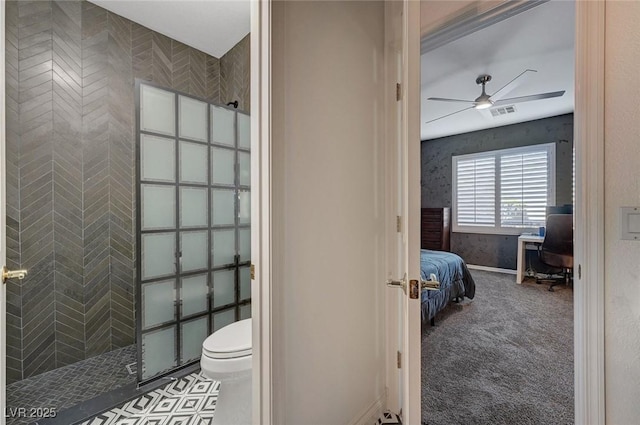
505 357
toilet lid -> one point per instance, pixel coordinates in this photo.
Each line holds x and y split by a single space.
232 341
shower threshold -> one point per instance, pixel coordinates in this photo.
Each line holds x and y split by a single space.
128 401
55 391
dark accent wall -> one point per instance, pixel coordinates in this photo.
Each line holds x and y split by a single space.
70 70
482 249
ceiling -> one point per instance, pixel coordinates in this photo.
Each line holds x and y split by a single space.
541 39
212 26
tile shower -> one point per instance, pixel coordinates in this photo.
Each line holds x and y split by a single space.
194 217
71 68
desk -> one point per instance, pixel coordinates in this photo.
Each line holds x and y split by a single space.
522 241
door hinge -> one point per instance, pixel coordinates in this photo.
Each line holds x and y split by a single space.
253 272
398 224
579 271
399 360
398 91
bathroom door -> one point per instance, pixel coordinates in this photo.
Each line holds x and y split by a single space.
402 69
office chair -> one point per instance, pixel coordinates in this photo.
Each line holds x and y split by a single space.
557 247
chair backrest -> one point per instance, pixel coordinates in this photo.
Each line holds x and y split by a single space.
560 209
558 236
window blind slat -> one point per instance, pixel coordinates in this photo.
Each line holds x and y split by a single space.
523 189
476 192
524 183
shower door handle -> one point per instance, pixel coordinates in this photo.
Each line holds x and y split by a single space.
12 274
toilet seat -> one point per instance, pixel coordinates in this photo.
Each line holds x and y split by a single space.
231 342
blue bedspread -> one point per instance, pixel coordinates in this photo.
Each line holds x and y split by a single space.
453 275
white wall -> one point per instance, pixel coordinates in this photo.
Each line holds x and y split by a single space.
622 188
328 200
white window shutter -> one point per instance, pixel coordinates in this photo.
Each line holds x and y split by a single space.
524 189
503 191
475 195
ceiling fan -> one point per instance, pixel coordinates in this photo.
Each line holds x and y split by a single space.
485 100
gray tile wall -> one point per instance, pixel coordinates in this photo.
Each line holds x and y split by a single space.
493 250
70 70
235 75
12 99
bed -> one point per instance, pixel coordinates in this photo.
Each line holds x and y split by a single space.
453 275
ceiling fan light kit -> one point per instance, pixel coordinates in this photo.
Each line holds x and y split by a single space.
485 101
483 104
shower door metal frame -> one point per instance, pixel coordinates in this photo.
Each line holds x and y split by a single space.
178 274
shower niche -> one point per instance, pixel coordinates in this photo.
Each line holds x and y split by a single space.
193 219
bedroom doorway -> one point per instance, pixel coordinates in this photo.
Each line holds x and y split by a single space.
493 168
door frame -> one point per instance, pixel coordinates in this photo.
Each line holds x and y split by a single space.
402 162
261 237
3 224
588 313
589 360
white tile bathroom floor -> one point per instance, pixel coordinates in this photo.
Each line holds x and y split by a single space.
389 418
190 400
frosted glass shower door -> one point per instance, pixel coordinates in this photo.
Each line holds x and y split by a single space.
194 230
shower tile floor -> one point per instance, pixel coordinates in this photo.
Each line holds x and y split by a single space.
67 386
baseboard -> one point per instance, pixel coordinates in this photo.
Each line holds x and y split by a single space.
491 269
372 413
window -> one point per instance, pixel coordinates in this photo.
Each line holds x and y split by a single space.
503 191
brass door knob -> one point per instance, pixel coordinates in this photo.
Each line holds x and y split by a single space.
12 274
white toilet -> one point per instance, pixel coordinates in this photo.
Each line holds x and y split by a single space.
226 357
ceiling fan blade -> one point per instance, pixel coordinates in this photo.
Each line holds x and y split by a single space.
512 84
444 99
529 98
448 115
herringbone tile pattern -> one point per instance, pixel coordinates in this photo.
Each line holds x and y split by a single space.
213 79
180 66
95 174
12 103
197 73
235 75
141 46
68 386
174 65
70 70
161 59
67 182
35 86
121 181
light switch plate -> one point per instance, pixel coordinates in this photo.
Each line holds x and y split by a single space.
630 223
